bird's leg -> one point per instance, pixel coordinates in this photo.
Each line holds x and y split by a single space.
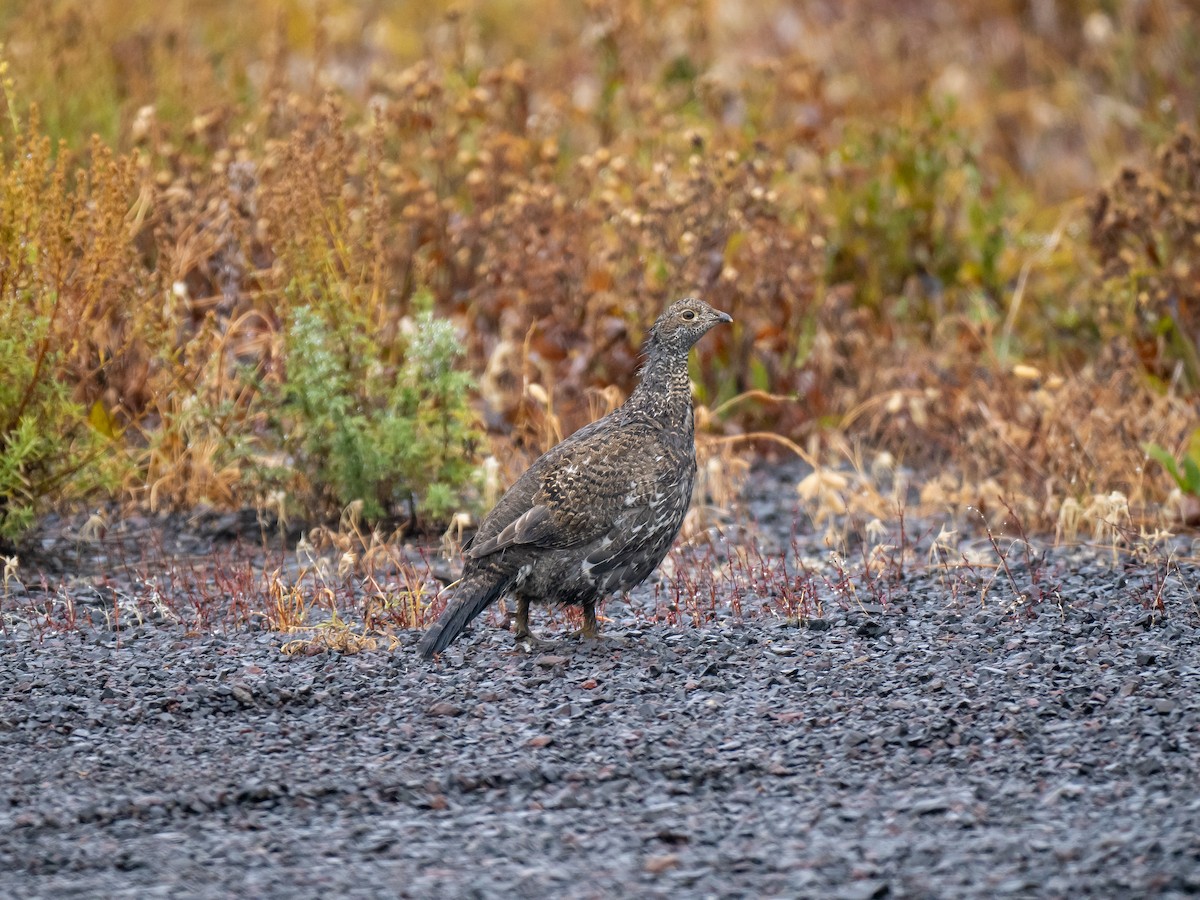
522 629
522 632
591 628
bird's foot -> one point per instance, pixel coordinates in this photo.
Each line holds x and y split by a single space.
532 643
593 634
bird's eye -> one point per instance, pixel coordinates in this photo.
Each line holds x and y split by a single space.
689 315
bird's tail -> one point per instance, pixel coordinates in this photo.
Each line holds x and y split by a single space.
473 596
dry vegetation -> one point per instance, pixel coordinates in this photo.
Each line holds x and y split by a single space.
308 255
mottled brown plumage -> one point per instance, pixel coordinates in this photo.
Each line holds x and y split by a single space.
597 513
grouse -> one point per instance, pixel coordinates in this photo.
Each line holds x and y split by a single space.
597 513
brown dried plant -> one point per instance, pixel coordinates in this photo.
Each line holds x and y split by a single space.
550 196
1145 232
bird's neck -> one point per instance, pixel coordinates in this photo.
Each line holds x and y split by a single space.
665 392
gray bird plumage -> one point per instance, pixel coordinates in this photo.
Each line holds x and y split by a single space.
597 513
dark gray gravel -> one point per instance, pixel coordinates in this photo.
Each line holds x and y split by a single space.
932 748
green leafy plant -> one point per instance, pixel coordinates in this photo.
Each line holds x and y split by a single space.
909 200
1184 471
47 446
385 436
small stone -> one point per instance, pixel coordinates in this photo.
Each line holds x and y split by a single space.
656 865
242 694
930 806
871 629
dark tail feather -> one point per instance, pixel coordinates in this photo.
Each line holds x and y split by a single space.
471 598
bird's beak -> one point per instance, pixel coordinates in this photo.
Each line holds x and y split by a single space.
723 316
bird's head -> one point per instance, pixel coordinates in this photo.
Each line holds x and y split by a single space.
683 323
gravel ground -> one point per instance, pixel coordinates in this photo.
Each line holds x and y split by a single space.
932 748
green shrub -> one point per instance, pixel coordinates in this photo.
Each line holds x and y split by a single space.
387 436
48 448
60 280
908 200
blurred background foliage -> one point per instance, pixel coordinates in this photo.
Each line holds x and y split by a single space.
309 254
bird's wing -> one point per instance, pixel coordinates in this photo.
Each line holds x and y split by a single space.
528 528
577 492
